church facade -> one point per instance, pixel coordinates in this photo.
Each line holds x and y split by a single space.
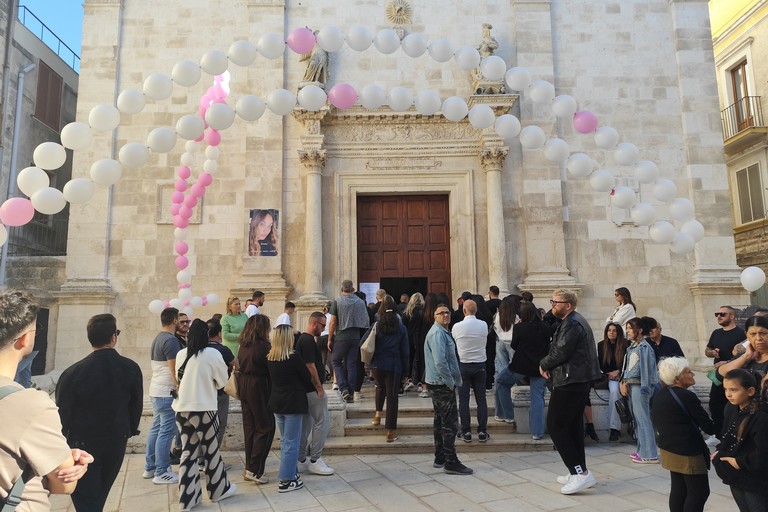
403 200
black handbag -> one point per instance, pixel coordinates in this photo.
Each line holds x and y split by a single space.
622 407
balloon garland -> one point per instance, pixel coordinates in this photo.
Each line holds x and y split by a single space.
215 115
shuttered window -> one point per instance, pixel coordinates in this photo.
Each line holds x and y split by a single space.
48 99
751 195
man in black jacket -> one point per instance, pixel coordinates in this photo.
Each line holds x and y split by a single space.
572 365
100 400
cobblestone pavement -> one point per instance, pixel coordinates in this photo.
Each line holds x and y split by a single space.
509 481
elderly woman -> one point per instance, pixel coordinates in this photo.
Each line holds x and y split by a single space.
678 417
755 358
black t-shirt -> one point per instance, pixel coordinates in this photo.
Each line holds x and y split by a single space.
306 348
493 305
667 347
224 351
725 341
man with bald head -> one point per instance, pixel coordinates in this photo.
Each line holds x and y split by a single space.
471 335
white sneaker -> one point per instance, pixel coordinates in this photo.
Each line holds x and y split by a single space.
408 386
712 441
229 492
302 466
335 387
319 467
579 483
169 477
358 397
148 473
253 477
564 479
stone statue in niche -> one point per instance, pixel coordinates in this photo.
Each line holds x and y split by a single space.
480 84
317 67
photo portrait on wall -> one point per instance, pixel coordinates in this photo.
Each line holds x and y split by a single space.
262 233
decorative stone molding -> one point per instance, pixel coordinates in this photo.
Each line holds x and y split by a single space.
492 158
312 159
389 164
91 291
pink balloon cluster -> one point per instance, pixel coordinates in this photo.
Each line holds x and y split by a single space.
585 121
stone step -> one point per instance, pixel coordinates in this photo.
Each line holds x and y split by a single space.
421 443
413 425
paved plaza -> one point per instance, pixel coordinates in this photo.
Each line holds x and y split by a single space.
509 481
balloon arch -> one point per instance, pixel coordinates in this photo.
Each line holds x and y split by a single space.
216 115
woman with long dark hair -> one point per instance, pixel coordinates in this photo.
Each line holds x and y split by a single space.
611 352
254 387
389 361
626 308
412 320
503 321
262 234
201 373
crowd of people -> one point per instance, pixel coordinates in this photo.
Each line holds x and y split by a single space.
423 345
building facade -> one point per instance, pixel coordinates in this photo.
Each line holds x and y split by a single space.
399 199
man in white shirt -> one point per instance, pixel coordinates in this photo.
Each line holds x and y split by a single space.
285 317
471 335
257 301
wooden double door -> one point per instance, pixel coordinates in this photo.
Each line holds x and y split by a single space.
404 239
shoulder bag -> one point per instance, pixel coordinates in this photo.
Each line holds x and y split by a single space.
369 345
705 448
230 387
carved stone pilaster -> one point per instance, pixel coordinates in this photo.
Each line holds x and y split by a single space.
313 160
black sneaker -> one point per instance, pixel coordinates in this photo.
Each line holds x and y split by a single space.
483 436
615 435
439 463
457 468
290 485
345 395
466 437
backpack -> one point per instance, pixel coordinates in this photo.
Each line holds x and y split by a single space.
13 499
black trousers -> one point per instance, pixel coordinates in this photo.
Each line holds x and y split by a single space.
93 488
446 422
565 426
688 493
717 403
387 386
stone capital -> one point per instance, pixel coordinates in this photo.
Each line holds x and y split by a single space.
492 158
312 159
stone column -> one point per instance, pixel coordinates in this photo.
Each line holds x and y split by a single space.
313 161
492 159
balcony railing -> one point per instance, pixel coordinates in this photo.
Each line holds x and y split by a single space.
745 113
46 35
39 238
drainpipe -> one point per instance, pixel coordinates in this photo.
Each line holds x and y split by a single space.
14 158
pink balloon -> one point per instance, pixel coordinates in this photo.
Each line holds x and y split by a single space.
181 247
212 137
219 92
342 96
182 262
205 179
166 303
197 190
200 138
185 212
301 40
177 197
175 209
180 222
201 111
184 172
190 201
205 101
185 303
180 185
16 211
205 301
218 78
585 121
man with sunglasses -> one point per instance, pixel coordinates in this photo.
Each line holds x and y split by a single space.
100 400
720 347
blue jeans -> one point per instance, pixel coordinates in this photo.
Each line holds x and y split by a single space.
640 403
473 376
506 409
347 351
504 353
290 437
160 435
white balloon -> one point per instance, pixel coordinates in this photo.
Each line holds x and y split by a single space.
212 298
242 52
196 301
48 201
387 41
646 171
556 150
518 79
79 190
682 243
579 164
564 106
602 180
440 50
250 108
414 45
156 306
532 137
176 303
626 153
186 73
662 232
183 277
210 166
400 99
133 154
180 233
3 235
190 127
106 171
541 91
32 179
643 214
428 103
187 310
493 67
330 38
372 96
130 101
104 117
281 102
623 197
359 38
271 45
606 137
49 156
481 117
693 228
220 116
752 278
681 209
192 146
212 153
76 136
312 98
507 126
185 294
664 190
455 109
214 62
187 159
158 86
467 58
161 140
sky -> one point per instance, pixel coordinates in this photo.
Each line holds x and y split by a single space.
62 17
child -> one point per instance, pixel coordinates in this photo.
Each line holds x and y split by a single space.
741 459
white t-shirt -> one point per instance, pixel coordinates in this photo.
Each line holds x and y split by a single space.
471 336
251 310
284 319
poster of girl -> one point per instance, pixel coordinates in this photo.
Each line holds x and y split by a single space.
262 233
